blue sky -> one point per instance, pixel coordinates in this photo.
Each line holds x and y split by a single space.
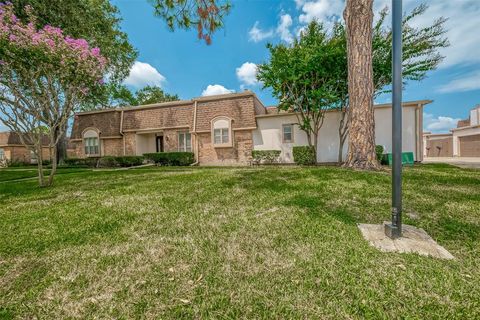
182 64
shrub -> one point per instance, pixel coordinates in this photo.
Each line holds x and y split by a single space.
107 162
17 163
304 155
266 156
171 158
379 151
129 161
82 162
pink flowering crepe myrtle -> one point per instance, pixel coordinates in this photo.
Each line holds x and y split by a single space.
45 76
48 52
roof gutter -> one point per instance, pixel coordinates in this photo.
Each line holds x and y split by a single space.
121 131
194 132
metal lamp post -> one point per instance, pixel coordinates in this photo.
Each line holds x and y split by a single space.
394 230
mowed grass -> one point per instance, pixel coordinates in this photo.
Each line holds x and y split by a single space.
226 243
30 172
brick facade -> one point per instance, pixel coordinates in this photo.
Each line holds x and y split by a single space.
133 130
15 151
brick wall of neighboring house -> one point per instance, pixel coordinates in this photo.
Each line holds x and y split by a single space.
463 123
22 154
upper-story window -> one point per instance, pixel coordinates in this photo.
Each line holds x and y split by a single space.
287 133
184 142
222 132
91 143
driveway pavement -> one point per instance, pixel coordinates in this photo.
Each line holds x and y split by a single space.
464 162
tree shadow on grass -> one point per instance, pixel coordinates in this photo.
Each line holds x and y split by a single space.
261 181
453 229
315 206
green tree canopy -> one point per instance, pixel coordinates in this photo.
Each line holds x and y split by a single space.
153 94
301 77
420 55
204 15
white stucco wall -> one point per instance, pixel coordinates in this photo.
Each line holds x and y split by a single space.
383 129
268 135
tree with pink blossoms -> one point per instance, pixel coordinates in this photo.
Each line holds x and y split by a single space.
44 78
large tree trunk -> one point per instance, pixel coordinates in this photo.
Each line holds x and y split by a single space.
358 17
53 170
342 133
39 154
62 145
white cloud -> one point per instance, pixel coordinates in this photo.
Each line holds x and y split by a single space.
283 28
256 34
247 73
467 82
143 74
462 24
326 11
462 27
438 124
214 89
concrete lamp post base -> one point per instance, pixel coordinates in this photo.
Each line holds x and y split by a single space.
413 240
391 231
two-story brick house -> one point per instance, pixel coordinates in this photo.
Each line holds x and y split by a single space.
219 130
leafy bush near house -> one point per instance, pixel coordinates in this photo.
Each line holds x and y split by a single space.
171 158
304 155
265 156
123 161
82 162
129 161
17 163
379 151
107 162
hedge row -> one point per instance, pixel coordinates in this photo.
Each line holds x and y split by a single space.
125 161
105 162
171 158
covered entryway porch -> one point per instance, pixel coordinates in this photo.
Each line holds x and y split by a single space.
149 142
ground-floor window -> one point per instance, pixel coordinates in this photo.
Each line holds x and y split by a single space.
2 154
33 157
287 133
184 142
221 135
91 146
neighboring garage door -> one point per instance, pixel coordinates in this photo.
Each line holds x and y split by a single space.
470 146
440 148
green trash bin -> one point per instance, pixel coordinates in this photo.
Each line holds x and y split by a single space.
407 158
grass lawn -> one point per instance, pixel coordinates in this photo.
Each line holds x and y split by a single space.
9 174
235 243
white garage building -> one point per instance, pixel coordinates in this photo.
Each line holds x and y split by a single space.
273 126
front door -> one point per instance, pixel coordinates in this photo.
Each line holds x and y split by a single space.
159 143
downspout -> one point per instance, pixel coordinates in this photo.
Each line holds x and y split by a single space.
194 132
121 131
